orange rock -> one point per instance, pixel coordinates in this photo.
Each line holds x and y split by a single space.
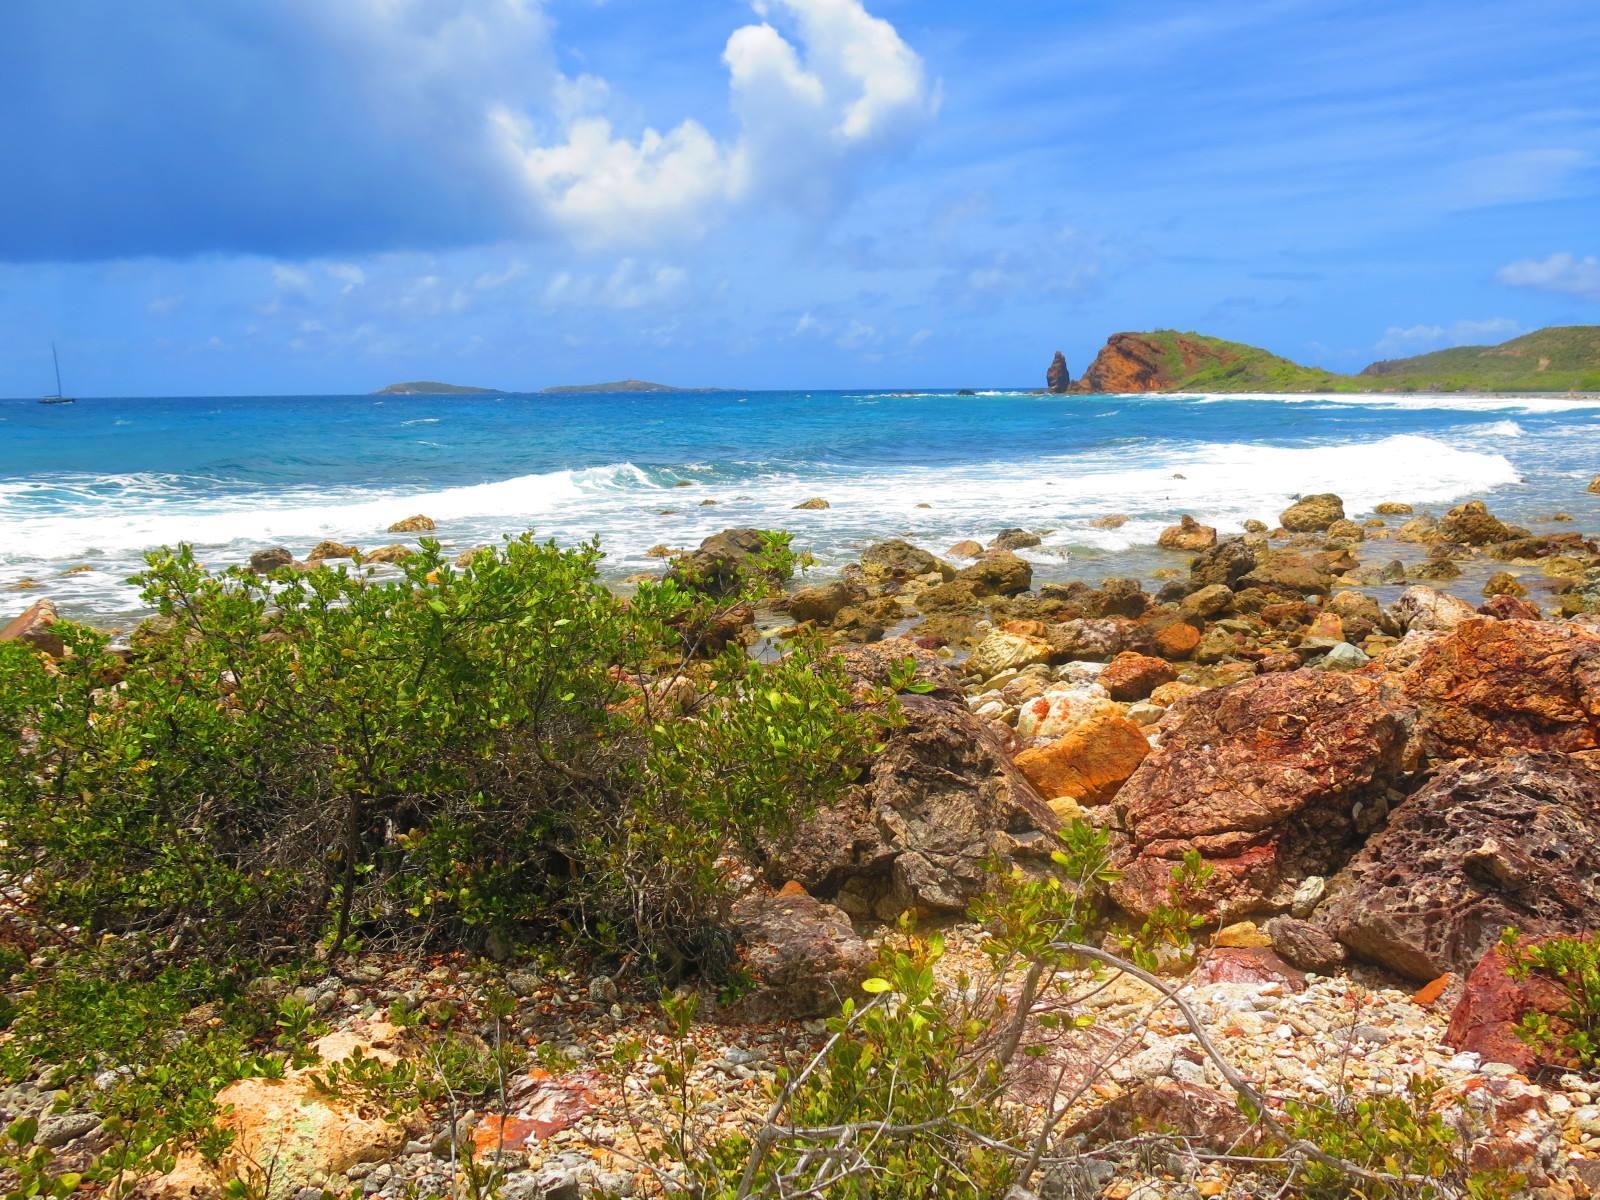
793 888
1090 763
1177 640
1326 625
1429 992
34 628
1133 676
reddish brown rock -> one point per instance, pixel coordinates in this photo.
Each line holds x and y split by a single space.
1303 944
36 627
802 954
1245 964
1510 608
1497 687
1261 778
1201 1116
1482 847
1090 763
997 573
1132 676
930 810
1492 1005
1175 641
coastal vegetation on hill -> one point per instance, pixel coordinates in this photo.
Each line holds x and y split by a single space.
432 387
1166 360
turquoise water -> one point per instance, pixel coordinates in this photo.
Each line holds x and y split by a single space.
99 482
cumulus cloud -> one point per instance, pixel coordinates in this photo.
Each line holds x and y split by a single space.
304 129
1564 274
807 121
1413 339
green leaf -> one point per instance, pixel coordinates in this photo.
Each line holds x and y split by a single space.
876 986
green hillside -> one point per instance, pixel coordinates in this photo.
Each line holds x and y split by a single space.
1235 367
1561 358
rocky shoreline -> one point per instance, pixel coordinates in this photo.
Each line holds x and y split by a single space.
1379 773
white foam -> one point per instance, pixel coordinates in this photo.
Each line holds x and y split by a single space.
1453 402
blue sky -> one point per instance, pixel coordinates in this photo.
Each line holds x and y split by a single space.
223 196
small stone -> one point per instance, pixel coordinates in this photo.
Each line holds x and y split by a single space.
1308 895
1242 935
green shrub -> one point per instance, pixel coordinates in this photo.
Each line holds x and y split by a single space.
1573 964
505 748
1403 1142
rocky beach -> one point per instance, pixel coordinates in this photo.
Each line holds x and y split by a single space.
1372 733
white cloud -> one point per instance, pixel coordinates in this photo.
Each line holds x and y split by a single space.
808 120
629 285
350 275
1564 274
1413 339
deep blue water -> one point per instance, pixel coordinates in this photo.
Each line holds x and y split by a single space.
99 482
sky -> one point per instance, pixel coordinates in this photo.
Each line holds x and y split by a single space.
210 197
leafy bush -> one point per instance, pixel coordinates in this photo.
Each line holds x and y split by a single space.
1573 964
1394 1147
497 749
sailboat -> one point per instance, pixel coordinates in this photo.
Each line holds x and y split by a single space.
57 398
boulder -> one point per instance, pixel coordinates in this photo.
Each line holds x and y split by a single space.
1304 945
1510 608
1472 524
966 549
1199 1116
1090 762
35 627
1504 583
1174 640
802 954
997 573
1062 709
929 811
416 524
1393 508
1482 847
288 1132
821 603
1109 521
1085 639
1419 530
1490 687
1007 652
1207 601
263 561
1358 613
1245 964
1312 514
325 550
719 566
1286 573
1014 539
396 553
1188 534
1225 563
1426 609
1261 778
898 559
1492 1005
816 502
1132 676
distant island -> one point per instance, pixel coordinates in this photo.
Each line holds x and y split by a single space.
432 387
1558 359
621 385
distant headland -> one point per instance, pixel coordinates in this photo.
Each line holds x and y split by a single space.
620 385
1558 359
432 387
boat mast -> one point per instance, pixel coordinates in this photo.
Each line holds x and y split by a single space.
57 360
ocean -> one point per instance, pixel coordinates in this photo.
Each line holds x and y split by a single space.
98 483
